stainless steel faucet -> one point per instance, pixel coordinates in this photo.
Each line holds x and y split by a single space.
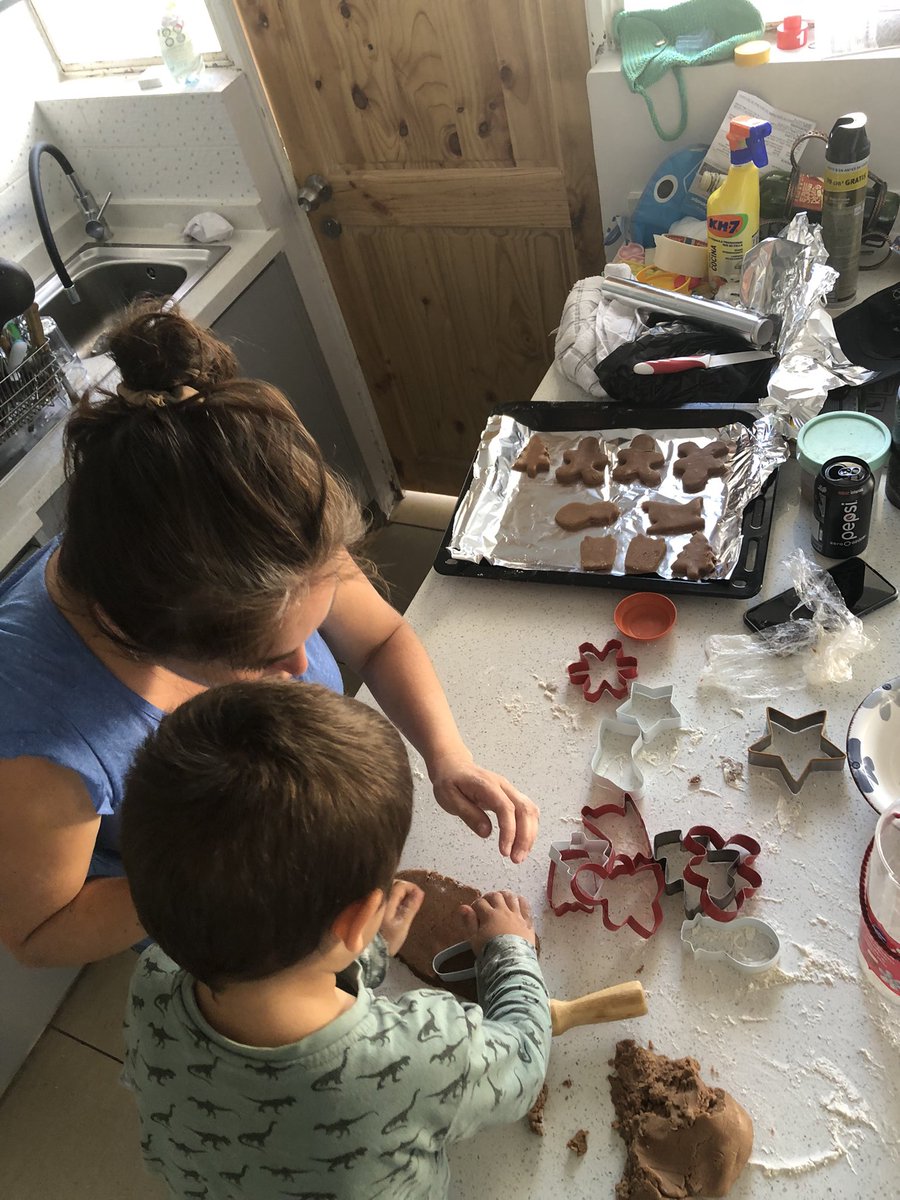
95 224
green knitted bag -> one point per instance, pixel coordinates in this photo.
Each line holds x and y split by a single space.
647 41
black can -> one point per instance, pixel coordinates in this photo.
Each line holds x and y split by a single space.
842 507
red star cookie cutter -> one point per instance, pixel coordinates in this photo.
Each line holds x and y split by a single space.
580 670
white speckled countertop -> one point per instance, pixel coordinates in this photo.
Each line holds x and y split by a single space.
809 1049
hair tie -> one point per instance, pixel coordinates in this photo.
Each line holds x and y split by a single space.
159 399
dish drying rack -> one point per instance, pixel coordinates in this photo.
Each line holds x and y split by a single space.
29 389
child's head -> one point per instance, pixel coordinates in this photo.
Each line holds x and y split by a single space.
199 508
254 816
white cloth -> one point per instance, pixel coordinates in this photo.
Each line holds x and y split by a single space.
590 328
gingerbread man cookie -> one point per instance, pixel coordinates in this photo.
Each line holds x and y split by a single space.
535 457
586 462
644 554
696 560
598 553
695 467
575 516
641 460
666 519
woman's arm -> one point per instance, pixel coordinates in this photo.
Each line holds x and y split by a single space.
49 915
375 641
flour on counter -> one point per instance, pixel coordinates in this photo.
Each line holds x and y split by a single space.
733 773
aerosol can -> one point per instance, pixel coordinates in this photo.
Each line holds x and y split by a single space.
844 200
732 211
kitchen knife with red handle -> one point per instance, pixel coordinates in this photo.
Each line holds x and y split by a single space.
669 366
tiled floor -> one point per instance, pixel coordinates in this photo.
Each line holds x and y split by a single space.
68 1130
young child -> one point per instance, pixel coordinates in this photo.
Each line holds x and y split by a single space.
261 829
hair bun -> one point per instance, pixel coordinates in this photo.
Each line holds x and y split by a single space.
158 351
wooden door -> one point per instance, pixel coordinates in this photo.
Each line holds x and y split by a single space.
456 137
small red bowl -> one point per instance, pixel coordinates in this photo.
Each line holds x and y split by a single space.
645 616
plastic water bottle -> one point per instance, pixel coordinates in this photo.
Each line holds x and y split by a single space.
185 65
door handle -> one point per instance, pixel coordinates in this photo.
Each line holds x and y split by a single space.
316 190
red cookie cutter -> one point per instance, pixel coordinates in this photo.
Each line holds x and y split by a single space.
708 849
580 671
606 864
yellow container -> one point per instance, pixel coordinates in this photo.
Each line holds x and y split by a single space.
732 211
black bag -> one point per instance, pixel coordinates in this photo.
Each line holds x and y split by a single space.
742 384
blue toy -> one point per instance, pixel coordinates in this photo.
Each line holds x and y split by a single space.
666 198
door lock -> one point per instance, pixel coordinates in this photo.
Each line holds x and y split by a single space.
315 191
332 228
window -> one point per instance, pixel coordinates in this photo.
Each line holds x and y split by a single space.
109 35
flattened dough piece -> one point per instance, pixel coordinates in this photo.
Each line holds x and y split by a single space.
587 462
640 460
577 515
436 926
696 560
695 466
644 554
534 458
667 518
598 553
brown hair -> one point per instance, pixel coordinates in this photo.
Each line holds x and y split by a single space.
192 518
253 816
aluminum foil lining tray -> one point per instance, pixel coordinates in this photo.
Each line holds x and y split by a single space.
507 520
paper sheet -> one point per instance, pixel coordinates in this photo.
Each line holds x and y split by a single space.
786 128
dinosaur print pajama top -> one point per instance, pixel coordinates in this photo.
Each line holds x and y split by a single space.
363 1108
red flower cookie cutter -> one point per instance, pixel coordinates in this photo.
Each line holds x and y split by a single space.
709 849
580 670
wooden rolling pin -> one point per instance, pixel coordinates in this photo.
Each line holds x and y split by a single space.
611 1004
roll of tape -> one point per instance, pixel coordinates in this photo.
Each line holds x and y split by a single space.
752 54
678 257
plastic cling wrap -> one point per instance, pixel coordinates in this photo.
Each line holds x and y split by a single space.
819 649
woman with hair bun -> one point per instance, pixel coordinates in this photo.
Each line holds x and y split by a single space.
205 540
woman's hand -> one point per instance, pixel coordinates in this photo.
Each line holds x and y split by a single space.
403 903
470 792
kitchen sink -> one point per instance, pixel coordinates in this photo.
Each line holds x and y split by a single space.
109 277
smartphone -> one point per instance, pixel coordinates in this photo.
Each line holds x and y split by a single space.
862 588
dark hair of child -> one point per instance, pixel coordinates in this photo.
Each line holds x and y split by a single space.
192 518
253 816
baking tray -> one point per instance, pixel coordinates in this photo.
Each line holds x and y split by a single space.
746 578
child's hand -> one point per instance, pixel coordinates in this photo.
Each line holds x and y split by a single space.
495 913
403 903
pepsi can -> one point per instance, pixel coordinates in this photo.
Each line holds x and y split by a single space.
842 507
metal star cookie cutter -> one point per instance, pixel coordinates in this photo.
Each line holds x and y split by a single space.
670 719
628 777
715 875
748 944
580 671
831 758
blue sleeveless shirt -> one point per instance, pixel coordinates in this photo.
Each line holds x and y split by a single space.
59 702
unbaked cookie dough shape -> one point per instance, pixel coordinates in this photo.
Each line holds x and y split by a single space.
695 466
696 560
586 463
644 554
579 515
682 1137
642 459
669 517
535 457
598 553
